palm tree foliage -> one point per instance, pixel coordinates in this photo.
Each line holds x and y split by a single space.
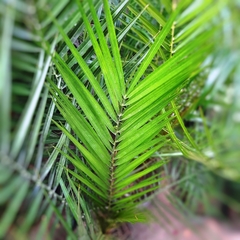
27 135
97 88
116 119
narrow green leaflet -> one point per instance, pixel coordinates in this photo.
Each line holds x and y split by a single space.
72 205
13 208
84 170
5 83
89 105
127 169
104 57
33 212
97 165
88 73
114 44
153 50
81 126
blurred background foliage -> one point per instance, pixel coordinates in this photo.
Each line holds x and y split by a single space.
215 126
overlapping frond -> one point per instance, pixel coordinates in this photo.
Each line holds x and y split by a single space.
118 120
29 174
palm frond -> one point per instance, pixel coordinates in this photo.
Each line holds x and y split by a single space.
28 160
117 122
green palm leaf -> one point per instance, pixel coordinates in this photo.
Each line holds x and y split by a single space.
117 123
29 173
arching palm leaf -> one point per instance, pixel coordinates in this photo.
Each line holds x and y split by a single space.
117 121
29 174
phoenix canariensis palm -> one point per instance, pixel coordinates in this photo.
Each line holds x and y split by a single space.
115 75
118 117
